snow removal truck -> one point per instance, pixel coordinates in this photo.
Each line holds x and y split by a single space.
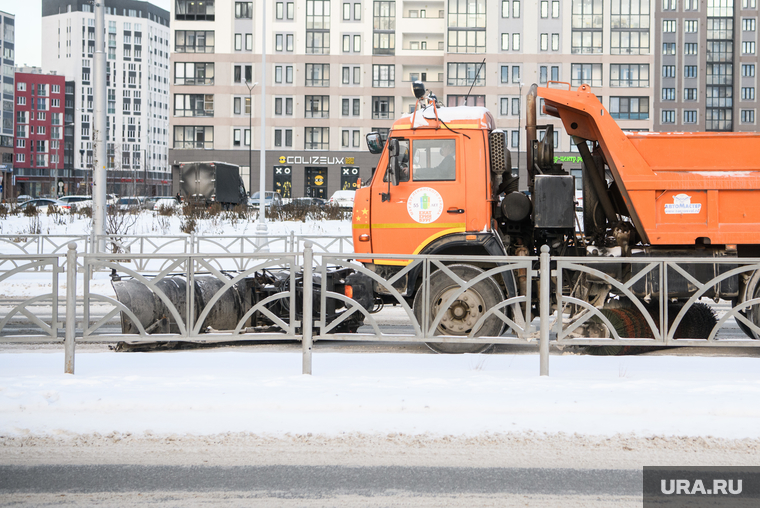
444 185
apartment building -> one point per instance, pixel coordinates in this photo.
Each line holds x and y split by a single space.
8 52
137 46
43 148
707 58
337 70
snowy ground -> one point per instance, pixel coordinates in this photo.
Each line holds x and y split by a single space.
233 406
213 392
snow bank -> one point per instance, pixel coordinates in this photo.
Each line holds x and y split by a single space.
212 392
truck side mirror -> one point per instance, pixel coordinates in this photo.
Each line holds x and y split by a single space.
394 169
374 142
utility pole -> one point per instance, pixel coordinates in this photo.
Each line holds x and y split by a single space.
261 227
99 131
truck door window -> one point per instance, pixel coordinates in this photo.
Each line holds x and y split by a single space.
403 146
434 159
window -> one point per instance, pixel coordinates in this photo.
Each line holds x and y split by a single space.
249 42
21 101
668 48
629 108
278 74
515 42
318 27
193 73
690 48
471 100
283 106
383 108
317 74
236 137
194 10
555 73
668 116
544 8
467 26
544 42
193 105
669 25
689 116
21 87
668 94
464 74
317 106
504 42
238 42
279 42
348 110
190 41
555 42
515 74
244 10
384 27
690 71
587 26
630 27
383 76
317 138
283 137
690 26
505 8
630 75
668 71
749 4
748 70
505 73
748 47
748 115
748 25
589 74
689 94
748 93
543 74
433 159
669 5
193 136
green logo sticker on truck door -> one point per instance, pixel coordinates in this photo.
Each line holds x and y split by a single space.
424 205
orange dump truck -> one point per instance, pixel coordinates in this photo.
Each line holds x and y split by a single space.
444 185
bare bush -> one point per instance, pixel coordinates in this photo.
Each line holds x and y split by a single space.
296 212
119 223
165 211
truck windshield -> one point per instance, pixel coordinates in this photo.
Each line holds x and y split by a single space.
434 159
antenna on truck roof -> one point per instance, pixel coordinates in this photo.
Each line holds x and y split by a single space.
474 80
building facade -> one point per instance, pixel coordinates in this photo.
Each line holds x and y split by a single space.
137 46
707 58
40 147
8 52
338 70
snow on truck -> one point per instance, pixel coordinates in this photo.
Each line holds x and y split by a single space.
444 185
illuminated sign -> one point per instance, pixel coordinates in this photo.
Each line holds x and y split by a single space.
314 159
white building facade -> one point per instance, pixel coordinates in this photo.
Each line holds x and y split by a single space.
137 46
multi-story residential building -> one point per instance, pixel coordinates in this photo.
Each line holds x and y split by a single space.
707 57
40 146
338 70
137 46
8 52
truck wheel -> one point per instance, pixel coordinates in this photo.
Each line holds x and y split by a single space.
464 312
751 291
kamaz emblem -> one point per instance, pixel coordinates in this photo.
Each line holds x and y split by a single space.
682 204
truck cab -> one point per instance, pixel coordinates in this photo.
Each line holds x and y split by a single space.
432 192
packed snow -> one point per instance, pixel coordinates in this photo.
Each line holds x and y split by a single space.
211 392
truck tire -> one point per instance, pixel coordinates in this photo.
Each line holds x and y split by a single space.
751 291
462 315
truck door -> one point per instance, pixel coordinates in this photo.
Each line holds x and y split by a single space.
428 202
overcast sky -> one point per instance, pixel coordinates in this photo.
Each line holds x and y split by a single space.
28 34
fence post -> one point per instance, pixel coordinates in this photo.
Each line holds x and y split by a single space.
545 307
308 305
292 241
69 343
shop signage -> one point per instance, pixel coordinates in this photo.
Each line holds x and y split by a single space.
314 159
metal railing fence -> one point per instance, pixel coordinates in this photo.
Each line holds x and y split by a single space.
206 283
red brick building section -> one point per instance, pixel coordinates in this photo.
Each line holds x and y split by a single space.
38 134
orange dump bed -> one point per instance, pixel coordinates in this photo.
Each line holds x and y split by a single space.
679 187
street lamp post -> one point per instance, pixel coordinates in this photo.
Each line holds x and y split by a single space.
250 134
